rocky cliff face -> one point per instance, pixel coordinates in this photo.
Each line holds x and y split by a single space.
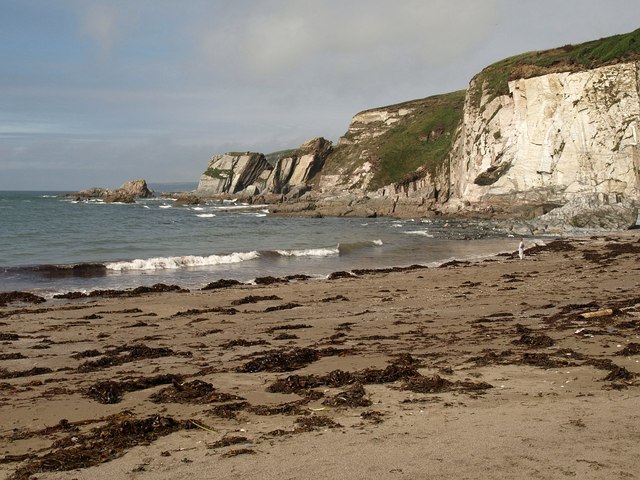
551 139
232 172
354 160
250 174
388 145
558 141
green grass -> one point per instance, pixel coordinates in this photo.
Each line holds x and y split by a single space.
424 140
570 58
217 173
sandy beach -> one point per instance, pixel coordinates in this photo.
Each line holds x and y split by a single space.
502 368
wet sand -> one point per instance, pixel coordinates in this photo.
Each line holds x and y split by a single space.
503 368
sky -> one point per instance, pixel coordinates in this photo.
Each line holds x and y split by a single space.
98 92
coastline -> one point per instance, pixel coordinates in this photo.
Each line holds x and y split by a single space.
497 366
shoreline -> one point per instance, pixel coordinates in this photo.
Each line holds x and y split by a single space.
193 272
389 374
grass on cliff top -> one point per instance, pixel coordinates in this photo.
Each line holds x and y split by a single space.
421 139
570 58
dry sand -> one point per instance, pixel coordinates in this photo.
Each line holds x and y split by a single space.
483 370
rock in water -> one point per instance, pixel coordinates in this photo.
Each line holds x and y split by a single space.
136 189
127 193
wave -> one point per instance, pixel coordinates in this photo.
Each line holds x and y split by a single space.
165 206
241 206
206 215
173 263
423 233
309 252
340 249
348 247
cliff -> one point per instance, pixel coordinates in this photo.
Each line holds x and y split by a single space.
551 135
387 145
250 174
549 129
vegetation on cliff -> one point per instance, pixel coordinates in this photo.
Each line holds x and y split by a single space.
493 80
421 138
402 143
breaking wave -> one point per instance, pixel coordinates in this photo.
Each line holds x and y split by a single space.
345 248
423 233
173 263
309 252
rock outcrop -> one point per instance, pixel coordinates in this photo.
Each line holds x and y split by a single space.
126 193
547 138
232 172
250 174
387 148
129 191
551 139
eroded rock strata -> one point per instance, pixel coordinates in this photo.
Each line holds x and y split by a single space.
547 138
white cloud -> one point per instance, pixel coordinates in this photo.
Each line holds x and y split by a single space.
99 23
282 36
214 75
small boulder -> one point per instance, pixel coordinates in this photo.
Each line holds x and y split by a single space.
136 188
120 196
188 199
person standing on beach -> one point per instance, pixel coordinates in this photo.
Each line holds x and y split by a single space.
521 249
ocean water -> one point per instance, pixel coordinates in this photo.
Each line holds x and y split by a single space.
53 244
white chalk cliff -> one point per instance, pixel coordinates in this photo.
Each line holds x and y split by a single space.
554 138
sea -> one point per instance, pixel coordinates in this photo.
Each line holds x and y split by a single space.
51 243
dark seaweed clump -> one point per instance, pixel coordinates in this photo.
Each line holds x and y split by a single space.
135 352
286 361
101 444
23 297
196 391
109 391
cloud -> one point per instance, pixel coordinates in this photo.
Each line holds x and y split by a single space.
283 37
98 85
99 24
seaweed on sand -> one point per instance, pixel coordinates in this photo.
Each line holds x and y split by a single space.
254 299
535 340
196 391
286 361
109 391
135 352
226 441
313 422
354 396
24 373
101 444
401 368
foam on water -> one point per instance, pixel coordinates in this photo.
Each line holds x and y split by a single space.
423 233
172 263
310 252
